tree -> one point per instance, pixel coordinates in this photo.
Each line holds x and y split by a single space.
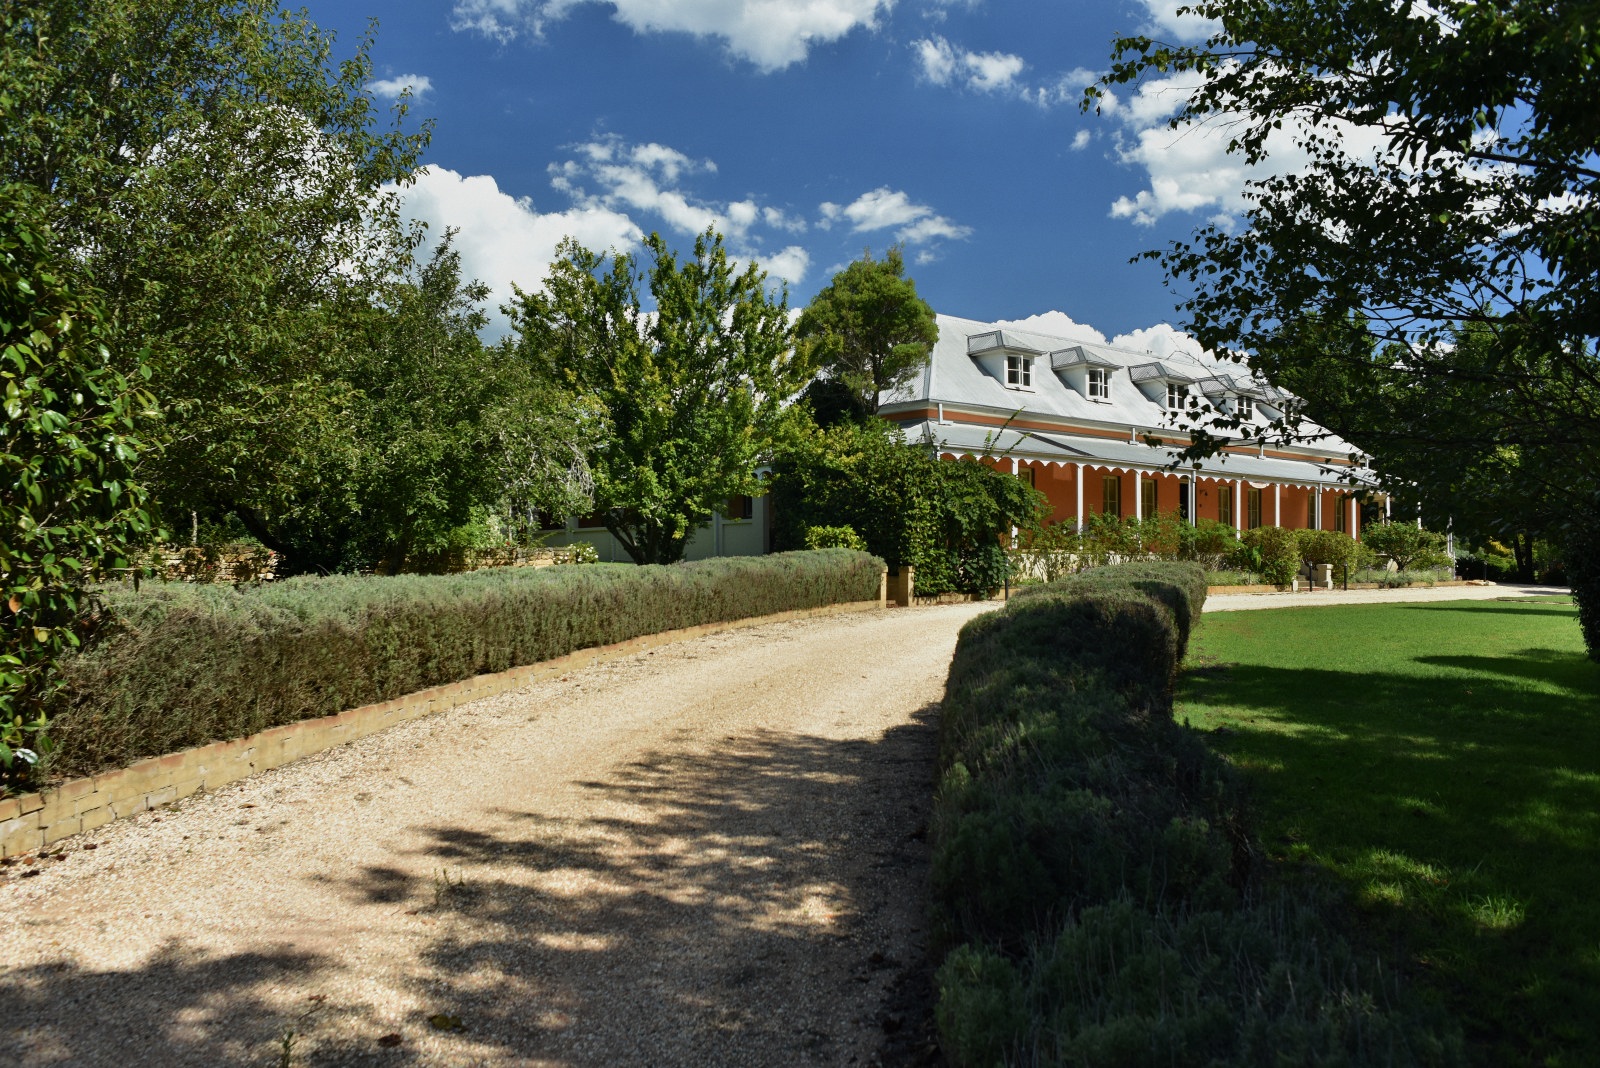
1407 545
71 511
450 428
1435 442
948 520
693 390
1472 205
211 170
868 329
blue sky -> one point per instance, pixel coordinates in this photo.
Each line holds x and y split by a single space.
808 130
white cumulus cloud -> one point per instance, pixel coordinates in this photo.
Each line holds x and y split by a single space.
770 34
1164 21
890 209
943 63
504 240
789 263
649 178
1189 169
1056 324
1161 341
391 88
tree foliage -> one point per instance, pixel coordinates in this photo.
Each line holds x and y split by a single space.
948 520
693 390
1583 571
69 506
446 430
220 179
1437 444
1407 545
1471 208
867 329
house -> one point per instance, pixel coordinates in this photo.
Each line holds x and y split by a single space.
742 528
1074 418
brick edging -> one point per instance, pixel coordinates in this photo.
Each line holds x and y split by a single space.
32 821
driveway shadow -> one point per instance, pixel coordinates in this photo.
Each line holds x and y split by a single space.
700 909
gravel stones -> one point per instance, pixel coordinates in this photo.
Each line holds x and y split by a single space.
709 854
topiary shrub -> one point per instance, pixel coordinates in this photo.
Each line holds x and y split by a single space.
1096 899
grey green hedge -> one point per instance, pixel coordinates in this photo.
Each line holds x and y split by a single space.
175 665
1097 895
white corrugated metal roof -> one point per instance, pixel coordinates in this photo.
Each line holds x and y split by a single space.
955 377
969 439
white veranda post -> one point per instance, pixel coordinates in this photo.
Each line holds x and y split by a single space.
1138 495
1080 499
1277 504
1350 528
1238 505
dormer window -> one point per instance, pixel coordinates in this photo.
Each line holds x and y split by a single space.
1099 384
1177 396
1019 372
1245 408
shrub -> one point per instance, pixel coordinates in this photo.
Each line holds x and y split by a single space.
1095 894
1487 562
1582 559
1207 542
947 520
1407 545
179 665
1328 547
1050 550
1271 552
834 538
70 507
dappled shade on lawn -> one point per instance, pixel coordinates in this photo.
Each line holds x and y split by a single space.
1441 761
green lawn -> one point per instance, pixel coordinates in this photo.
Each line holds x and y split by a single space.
1442 761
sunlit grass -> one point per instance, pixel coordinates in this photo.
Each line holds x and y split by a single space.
1443 762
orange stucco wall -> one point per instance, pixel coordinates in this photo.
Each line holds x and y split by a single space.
1060 487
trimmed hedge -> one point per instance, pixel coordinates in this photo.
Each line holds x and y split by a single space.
174 665
1097 898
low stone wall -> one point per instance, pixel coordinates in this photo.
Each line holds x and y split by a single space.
34 821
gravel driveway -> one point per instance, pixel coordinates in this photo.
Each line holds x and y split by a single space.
711 854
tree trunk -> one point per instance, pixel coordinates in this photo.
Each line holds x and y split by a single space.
645 542
1522 549
288 562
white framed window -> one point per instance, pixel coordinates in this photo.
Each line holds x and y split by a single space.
1099 383
1245 407
1177 396
1019 372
